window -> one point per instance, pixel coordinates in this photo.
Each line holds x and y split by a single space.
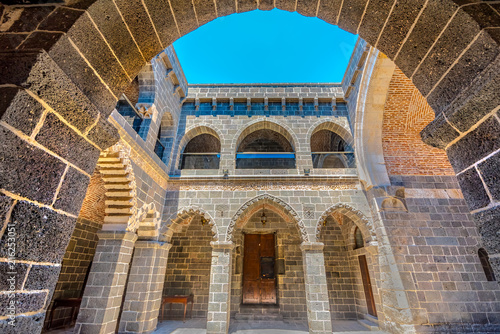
329 150
201 152
358 239
485 262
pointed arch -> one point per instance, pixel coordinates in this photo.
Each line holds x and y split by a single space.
183 217
358 217
251 206
119 180
330 125
262 123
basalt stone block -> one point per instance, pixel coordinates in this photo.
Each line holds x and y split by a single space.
24 302
11 41
72 192
5 205
80 4
65 142
289 5
489 170
103 134
350 15
225 7
480 54
110 24
307 7
479 99
475 145
483 14
163 20
27 170
94 48
489 224
19 109
12 275
23 324
205 11
438 133
40 40
427 29
37 72
247 5
84 77
373 22
42 234
456 37
42 277
473 189
138 21
24 19
61 19
398 25
266 4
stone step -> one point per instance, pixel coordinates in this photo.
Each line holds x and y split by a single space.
111 164
113 171
369 325
261 318
116 219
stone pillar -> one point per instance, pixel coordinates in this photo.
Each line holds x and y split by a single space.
103 294
144 287
318 306
219 299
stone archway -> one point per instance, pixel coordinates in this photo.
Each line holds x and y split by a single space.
79 61
250 207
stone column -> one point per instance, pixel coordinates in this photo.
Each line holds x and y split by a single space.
318 305
220 288
144 287
103 294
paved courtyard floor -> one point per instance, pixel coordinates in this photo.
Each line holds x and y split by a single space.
197 326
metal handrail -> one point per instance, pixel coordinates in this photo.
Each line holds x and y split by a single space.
265 152
332 152
208 153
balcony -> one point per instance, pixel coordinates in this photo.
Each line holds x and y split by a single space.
200 161
265 160
333 160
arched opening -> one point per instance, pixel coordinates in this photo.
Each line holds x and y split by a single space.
350 269
329 150
188 266
201 152
485 263
165 137
265 149
268 274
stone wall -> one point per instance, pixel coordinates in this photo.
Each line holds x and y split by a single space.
188 268
437 255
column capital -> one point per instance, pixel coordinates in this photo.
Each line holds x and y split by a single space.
311 246
117 235
222 245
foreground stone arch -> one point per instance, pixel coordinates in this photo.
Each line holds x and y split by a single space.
253 205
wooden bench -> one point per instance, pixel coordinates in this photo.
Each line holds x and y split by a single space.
177 300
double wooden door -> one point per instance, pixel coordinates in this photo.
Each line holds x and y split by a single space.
259 281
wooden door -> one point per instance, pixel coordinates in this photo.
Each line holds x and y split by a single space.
367 285
259 281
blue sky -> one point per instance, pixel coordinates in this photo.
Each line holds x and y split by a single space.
265 47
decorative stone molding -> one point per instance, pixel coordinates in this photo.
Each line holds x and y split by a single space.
256 201
148 219
121 197
264 185
354 214
184 216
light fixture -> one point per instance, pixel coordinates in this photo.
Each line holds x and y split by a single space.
324 222
263 218
203 220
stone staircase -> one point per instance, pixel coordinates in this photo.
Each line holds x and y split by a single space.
369 322
259 313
